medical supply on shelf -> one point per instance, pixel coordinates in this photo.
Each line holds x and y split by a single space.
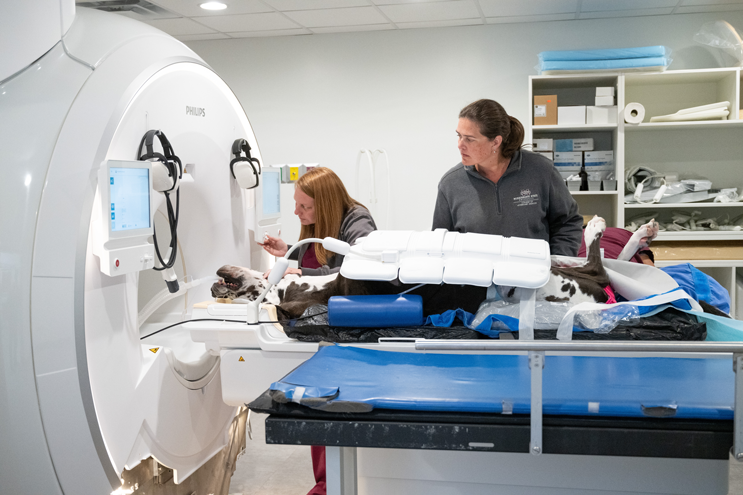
633 113
542 145
545 109
697 184
605 91
571 115
596 115
604 101
649 58
579 144
601 162
546 154
713 111
568 162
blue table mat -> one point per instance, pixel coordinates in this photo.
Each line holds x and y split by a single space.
572 385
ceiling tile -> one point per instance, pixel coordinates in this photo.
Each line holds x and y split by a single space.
431 11
202 37
625 5
685 3
400 2
337 17
190 8
697 9
348 29
178 27
433 24
516 8
248 22
287 5
271 32
624 13
531 18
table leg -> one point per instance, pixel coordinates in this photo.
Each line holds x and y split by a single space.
340 469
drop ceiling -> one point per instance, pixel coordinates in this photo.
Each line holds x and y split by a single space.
185 20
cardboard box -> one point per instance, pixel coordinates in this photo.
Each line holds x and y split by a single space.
542 144
604 101
601 115
546 154
568 162
598 158
697 250
605 91
581 144
545 109
575 115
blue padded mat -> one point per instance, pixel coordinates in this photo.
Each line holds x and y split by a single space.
572 385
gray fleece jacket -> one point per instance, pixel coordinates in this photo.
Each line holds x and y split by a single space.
530 200
357 223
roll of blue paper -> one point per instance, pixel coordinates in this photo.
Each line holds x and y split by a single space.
380 311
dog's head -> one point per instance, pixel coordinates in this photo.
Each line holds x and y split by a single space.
238 282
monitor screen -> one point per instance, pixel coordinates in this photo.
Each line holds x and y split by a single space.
271 192
130 198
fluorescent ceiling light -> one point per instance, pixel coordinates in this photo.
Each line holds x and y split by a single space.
213 6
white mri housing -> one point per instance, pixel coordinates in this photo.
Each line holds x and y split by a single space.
81 398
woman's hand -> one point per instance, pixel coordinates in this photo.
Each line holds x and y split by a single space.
289 271
274 245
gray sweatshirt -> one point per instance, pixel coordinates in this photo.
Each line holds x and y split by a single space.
530 200
357 223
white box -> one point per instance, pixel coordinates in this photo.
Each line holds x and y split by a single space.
575 115
605 91
594 185
601 115
604 101
542 145
573 185
579 144
568 162
599 164
546 154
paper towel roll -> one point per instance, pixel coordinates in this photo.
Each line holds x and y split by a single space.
634 113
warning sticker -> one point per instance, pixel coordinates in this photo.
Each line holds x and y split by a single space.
241 359
154 350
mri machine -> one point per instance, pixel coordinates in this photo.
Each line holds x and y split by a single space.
82 397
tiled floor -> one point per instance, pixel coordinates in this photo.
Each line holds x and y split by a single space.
287 470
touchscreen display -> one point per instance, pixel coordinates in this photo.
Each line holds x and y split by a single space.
130 198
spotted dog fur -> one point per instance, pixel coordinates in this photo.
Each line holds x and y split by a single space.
294 293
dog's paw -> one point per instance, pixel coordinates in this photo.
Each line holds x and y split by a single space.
594 229
646 233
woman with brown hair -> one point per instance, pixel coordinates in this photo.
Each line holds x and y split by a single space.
501 189
325 209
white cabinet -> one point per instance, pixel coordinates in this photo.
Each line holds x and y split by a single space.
710 150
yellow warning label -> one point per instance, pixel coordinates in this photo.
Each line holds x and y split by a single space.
293 173
154 350
241 359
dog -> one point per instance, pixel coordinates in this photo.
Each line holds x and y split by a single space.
294 294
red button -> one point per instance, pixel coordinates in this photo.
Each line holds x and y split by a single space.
117 263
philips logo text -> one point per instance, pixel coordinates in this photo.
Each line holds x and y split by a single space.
196 111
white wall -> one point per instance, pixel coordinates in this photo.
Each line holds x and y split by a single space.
321 98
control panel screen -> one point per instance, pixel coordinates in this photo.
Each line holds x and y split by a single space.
130 198
271 192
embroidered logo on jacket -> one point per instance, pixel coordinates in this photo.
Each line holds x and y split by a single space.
526 198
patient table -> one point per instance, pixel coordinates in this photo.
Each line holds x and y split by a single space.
612 424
